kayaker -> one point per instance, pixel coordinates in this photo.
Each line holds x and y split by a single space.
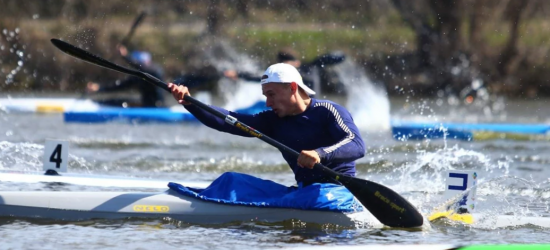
285 55
310 72
151 96
321 130
200 79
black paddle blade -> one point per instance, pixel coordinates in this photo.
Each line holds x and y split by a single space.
139 19
89 57
329 59
390 208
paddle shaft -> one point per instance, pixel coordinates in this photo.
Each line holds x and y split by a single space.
253 132
137 21
386 205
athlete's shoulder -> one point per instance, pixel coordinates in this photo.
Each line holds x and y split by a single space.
328 105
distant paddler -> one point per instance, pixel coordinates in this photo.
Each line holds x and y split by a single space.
151 96
310 72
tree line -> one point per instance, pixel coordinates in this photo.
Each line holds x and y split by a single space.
502 43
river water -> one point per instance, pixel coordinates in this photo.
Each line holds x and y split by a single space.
513 180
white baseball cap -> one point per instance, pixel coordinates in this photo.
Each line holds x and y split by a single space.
284 73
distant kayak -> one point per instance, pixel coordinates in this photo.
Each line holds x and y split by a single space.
88 111
45 105
403 130
176 114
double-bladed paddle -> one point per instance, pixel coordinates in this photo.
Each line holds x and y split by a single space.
386 205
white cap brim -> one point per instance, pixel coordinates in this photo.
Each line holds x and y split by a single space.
284 73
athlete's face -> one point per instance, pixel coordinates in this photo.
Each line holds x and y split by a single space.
280 98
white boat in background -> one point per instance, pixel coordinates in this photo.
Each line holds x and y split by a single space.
45 105
87 111
403 131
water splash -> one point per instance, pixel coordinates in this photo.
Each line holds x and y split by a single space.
28 157
367 102
505 201
223 56
425 173
12 45
237 94
20 156
485 107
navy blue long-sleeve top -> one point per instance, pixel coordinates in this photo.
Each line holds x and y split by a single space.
324 126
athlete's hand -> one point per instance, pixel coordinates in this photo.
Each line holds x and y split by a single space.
179 92
231 74
123 50
92 87
308 158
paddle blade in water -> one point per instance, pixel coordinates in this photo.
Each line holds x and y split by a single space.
390 208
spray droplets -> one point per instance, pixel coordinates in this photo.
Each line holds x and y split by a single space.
11 38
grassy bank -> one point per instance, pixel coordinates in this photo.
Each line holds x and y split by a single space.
174 42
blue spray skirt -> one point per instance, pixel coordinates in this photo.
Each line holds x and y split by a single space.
245 190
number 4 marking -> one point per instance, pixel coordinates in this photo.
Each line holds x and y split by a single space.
56 156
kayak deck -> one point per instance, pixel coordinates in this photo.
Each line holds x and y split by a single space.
89 180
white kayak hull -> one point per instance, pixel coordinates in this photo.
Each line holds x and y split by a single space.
76 206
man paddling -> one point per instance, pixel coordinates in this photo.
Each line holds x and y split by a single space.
321 130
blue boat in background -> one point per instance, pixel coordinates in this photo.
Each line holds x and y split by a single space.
403 131
175 114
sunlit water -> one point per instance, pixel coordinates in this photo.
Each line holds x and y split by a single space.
514 180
